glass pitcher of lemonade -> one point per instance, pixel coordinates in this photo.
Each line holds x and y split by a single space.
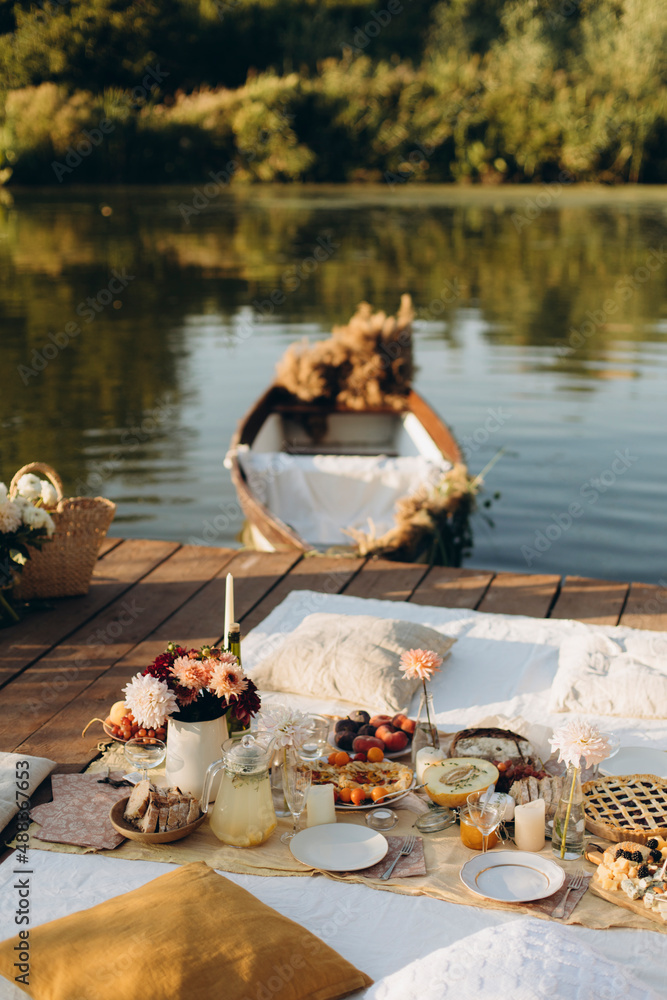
243 814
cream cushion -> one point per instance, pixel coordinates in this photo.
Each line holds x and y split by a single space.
598 675
353 658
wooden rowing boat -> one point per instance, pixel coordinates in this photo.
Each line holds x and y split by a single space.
279 437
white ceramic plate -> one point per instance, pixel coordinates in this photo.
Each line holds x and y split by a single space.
389 756
339 847
512 876
388 800
636 760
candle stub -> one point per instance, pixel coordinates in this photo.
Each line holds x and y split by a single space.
529 825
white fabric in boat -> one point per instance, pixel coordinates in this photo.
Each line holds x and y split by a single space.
319 495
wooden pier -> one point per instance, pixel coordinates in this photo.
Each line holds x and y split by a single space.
61 667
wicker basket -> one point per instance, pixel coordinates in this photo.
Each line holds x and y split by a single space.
64 566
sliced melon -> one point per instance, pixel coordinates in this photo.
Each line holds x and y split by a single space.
449 782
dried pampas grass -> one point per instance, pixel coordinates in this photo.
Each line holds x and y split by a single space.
367 363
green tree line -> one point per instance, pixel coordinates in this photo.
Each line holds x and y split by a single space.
401 91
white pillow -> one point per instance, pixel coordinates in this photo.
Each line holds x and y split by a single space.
601 676
354 658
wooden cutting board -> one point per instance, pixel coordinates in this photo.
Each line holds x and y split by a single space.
616 896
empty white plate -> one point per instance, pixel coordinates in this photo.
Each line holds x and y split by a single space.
512 876
636 760
339 847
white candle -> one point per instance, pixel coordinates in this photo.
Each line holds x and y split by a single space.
529 826
320 807
229 607
425 757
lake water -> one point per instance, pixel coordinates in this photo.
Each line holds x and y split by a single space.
542 330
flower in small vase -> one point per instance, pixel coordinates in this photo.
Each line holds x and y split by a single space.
289 727
149 700
577 739
420 663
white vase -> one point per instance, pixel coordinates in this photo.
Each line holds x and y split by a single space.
191 748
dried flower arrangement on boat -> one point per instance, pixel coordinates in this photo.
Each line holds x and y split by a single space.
367 363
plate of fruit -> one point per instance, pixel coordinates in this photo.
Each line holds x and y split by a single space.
360 732
120 725
363 781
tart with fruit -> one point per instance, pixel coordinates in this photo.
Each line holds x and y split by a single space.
359 782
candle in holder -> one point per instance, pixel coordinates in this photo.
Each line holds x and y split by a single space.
320 806
529 826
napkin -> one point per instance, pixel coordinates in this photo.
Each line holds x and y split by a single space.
415 803
411 864
548 905
30 769
79 813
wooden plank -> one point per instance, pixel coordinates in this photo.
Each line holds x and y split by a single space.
195 623
528 594
597 602
447 587
321 573
387 580
646 607
40 631
65 672
107 545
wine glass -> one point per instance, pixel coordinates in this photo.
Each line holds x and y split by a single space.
614 742
484 813
318 732
144 752
296 782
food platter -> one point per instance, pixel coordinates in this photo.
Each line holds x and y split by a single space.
121 825
384 801
388 756
512 876
340 847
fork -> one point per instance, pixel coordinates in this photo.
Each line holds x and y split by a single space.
576 882
403 853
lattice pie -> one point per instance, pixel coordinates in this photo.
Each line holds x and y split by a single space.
627 807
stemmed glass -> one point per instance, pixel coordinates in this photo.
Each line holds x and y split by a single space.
485 814
296 782
614 746
144 752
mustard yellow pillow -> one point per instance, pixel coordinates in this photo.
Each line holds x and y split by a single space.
188 934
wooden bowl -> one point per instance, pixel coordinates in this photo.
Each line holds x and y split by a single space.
121 826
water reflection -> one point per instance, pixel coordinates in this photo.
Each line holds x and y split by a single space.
561 318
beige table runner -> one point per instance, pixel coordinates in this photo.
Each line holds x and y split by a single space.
444 855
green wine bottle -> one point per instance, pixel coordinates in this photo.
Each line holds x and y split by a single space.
235 728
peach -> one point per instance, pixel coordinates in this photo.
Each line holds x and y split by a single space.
380 720
117 712
398 720
383 731
362 744
409 726
395 742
